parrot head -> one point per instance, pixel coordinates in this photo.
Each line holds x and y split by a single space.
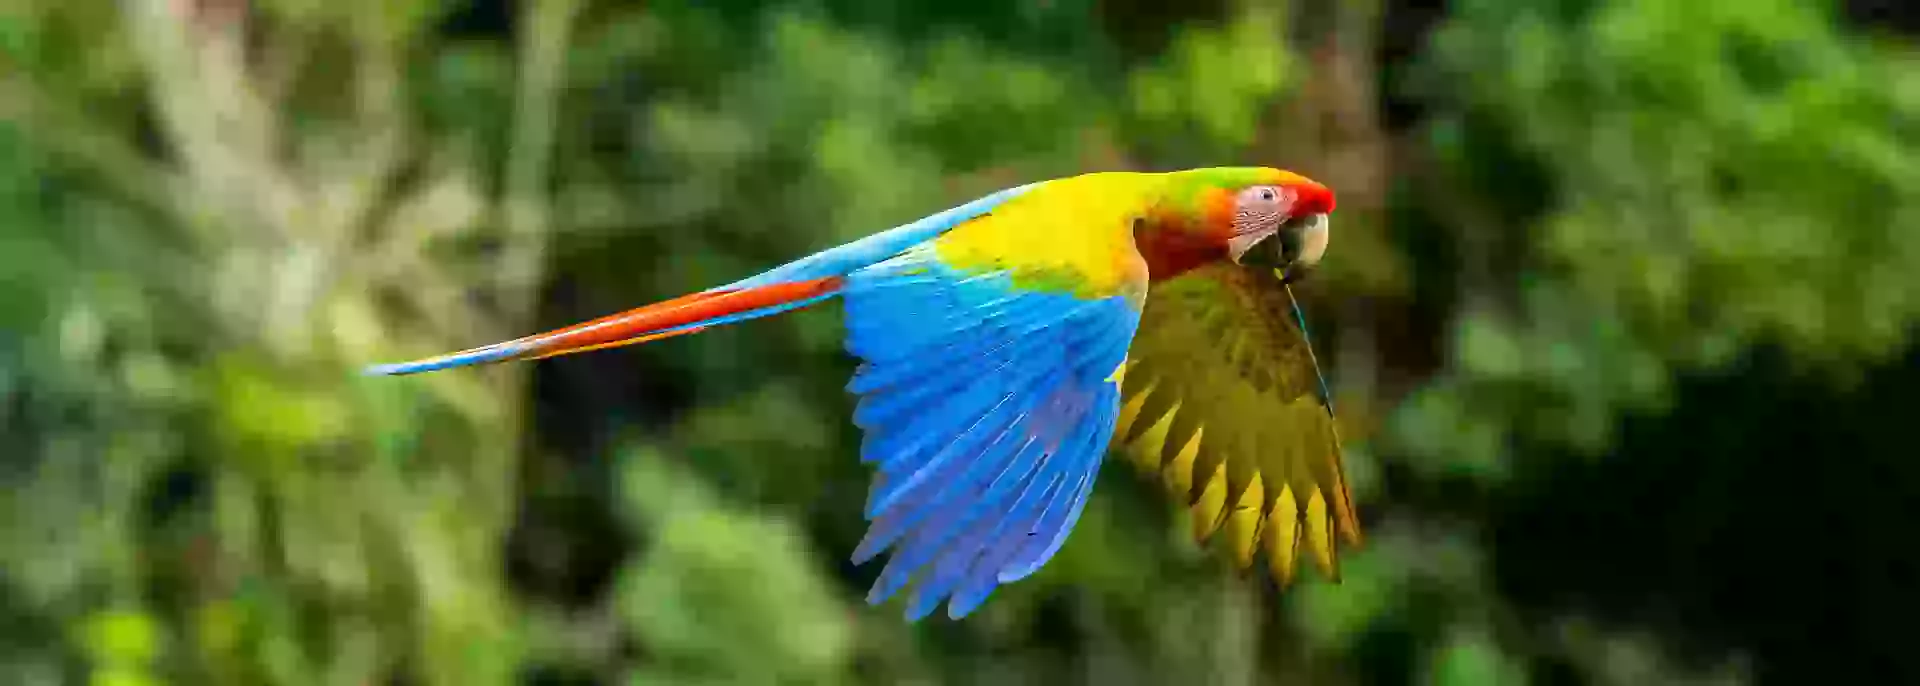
1279 222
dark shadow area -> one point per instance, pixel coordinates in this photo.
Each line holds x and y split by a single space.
1898 16
1759 516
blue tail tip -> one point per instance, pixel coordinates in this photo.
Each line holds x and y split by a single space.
383 370
480 356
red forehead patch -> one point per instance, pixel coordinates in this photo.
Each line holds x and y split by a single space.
1313 198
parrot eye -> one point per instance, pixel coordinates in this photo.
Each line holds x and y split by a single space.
1259 209
1265 232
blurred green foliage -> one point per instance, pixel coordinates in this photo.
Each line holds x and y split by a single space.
1604 223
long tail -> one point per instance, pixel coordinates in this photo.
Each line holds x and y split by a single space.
683 315
791 286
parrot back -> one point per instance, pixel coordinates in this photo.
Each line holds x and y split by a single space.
1072 235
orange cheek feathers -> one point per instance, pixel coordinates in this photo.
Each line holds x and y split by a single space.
1216 215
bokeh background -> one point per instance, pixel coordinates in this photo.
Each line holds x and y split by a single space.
1620 313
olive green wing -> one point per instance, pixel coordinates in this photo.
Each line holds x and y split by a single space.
1222 399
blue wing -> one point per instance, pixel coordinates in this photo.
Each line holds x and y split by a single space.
987 410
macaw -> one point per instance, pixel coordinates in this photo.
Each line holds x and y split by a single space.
1006 343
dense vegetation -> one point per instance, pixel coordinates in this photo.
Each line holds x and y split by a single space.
1620 310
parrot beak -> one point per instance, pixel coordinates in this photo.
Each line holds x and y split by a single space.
1303 244
1242 249
1291 250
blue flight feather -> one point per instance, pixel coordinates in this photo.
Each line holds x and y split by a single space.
973 482
965 478
885 407
952 527
948 521
987 410
986 343
1003 531
1063 515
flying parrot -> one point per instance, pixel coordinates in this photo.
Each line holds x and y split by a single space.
1005 344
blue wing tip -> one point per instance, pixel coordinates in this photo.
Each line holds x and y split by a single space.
958 606
921 606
